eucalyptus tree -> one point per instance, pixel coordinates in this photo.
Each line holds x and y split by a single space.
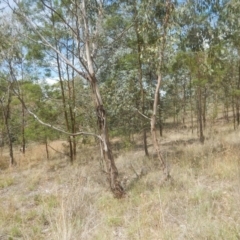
151 20
8 56
5 102
157 22
176 90
125 84
150 23
83 23
63 42
37 99
49 63
137 18
197 21
228 27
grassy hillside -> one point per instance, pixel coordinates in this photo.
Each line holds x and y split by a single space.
42 199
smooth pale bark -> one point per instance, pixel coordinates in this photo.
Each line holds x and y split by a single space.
101 117
153 128
105 144
169 8
85 55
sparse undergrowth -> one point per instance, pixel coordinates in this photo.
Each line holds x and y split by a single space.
55 200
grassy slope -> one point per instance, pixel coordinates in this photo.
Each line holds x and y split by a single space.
54 200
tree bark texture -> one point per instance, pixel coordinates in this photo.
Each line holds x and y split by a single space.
112 171
169 8
153 129
160 117
200 110
238 97
200 115
6 117
191 102
23 130
46 147
140 79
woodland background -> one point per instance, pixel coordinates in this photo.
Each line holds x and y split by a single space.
138 97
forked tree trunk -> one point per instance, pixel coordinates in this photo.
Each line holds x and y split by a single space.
86 43
112 171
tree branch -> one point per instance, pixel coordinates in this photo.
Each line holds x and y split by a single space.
143 115
56 128
59 15
46 43
39 120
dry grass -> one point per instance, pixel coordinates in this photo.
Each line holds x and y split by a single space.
42 199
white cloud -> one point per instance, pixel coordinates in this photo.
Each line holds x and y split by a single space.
51 81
